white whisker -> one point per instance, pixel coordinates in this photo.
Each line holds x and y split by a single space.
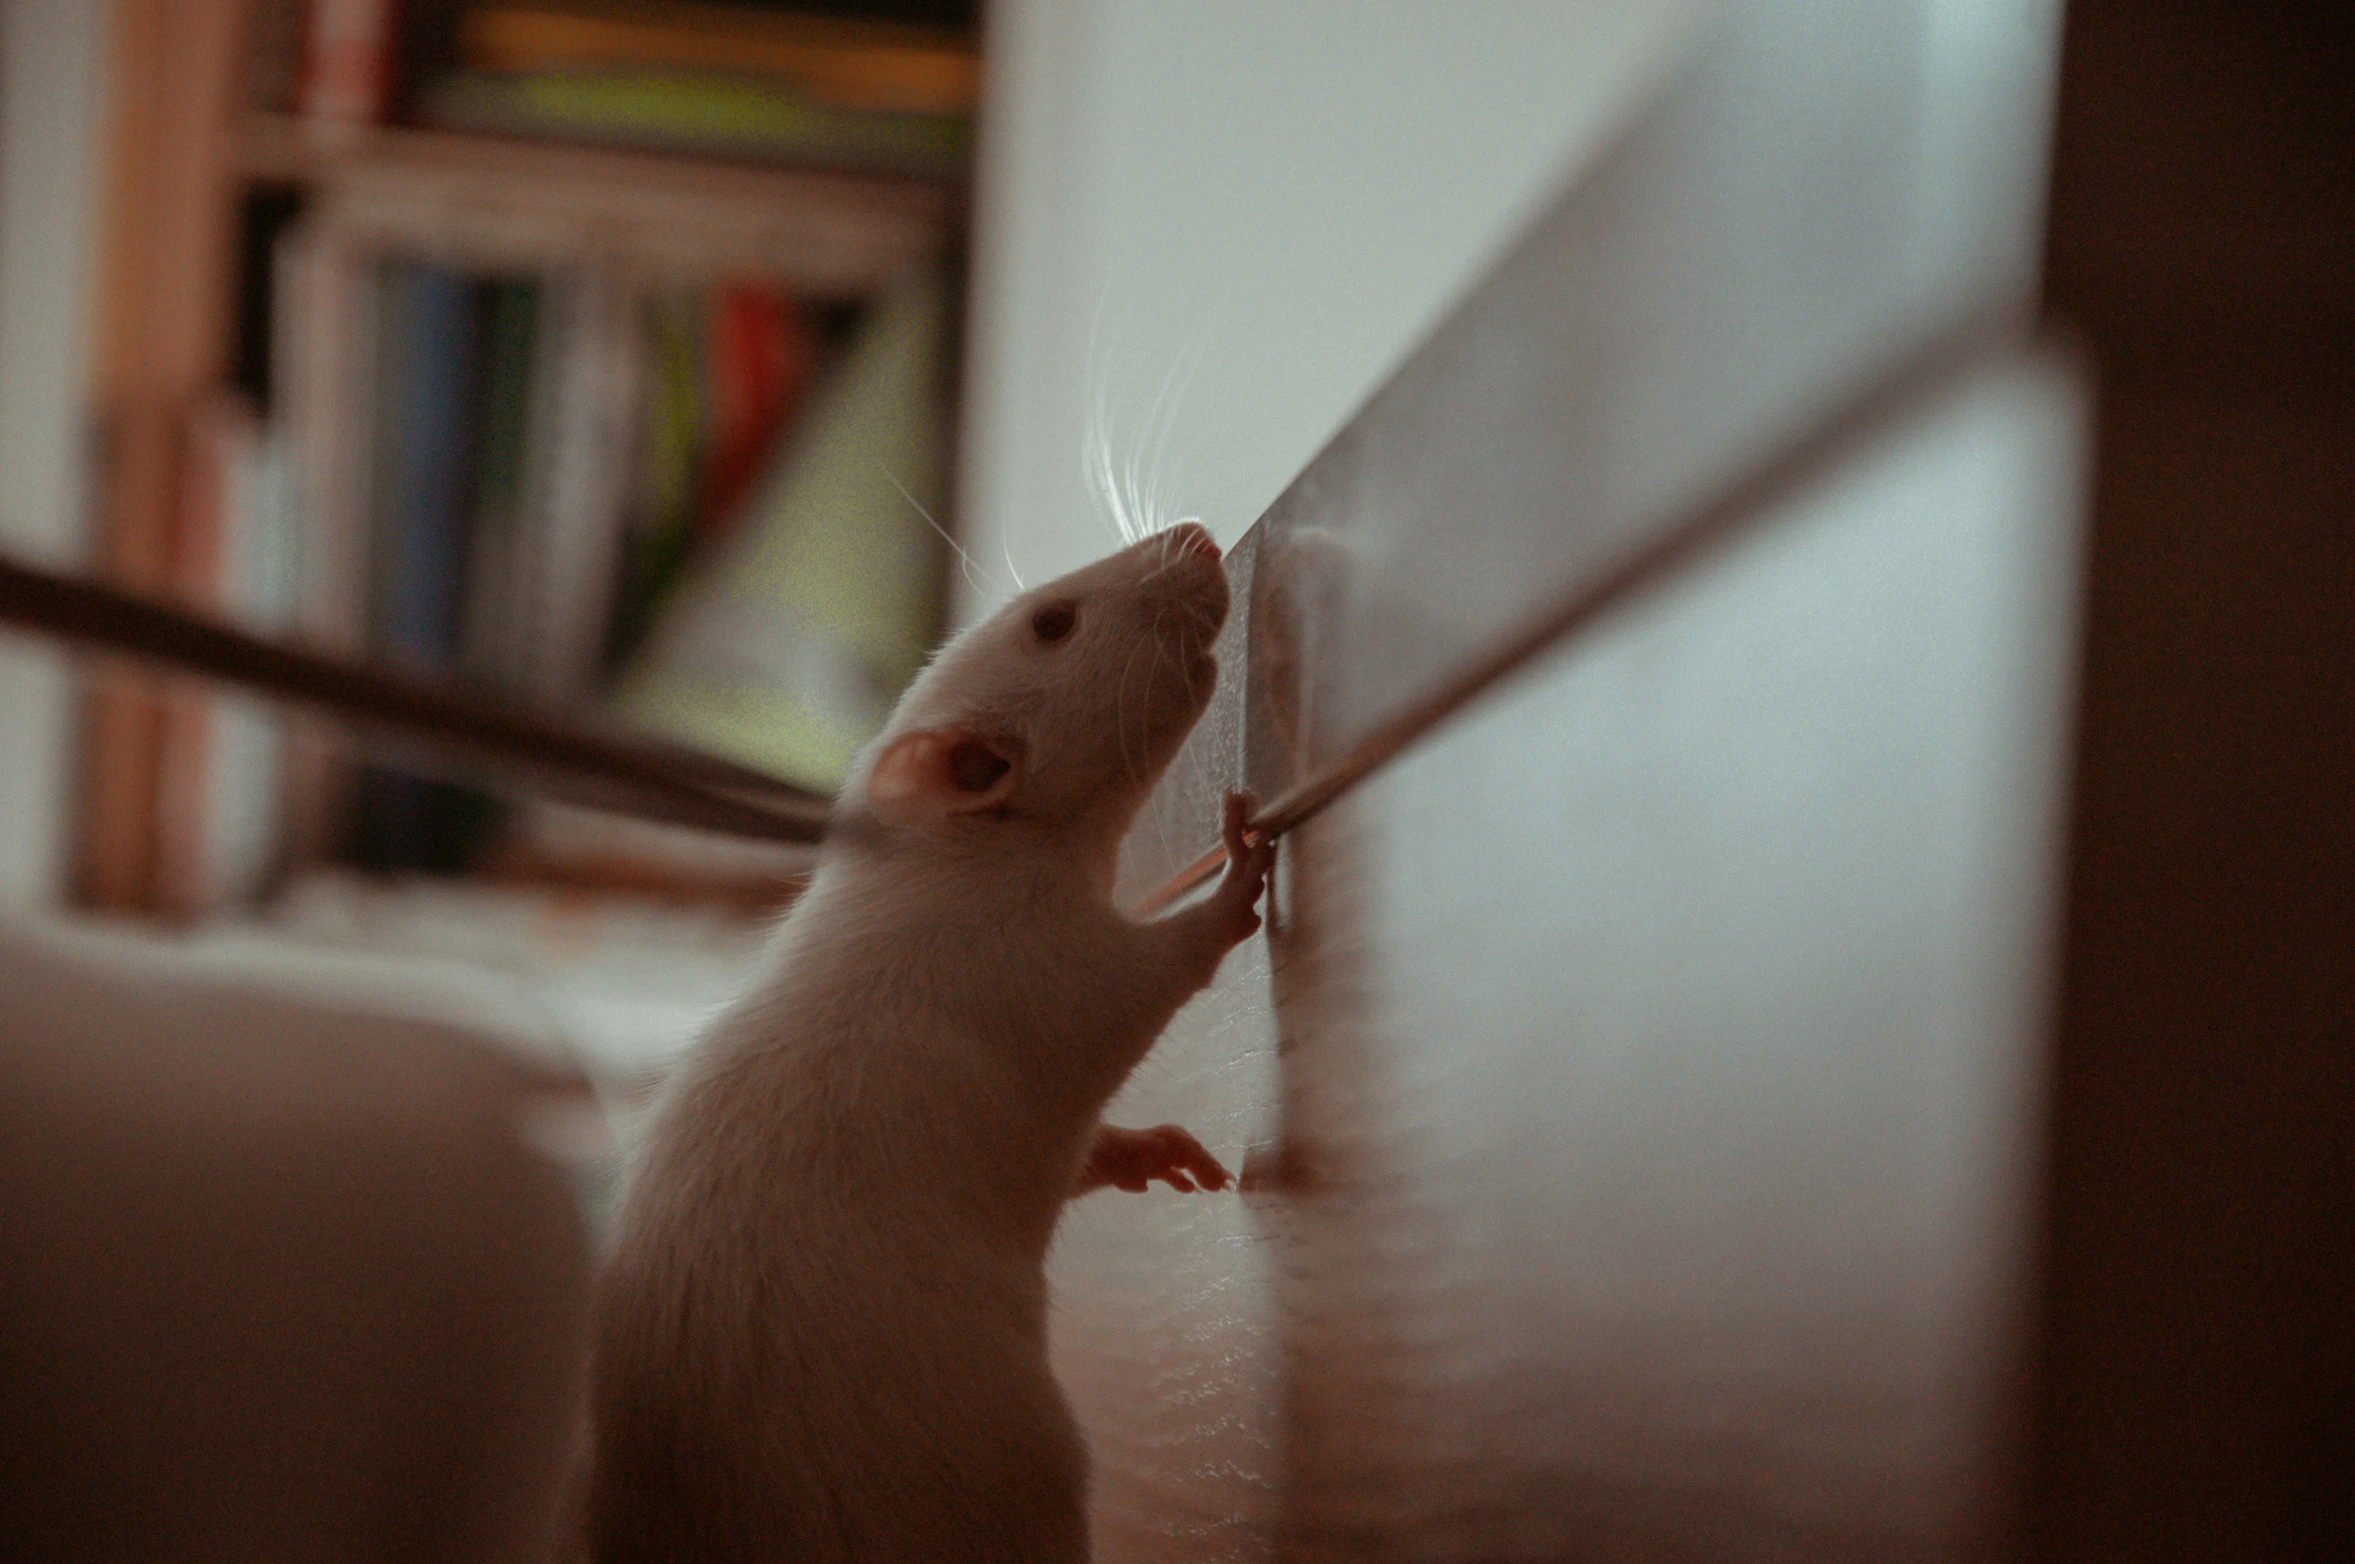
1096 443
1154 441
1132 488
969 566
1096 464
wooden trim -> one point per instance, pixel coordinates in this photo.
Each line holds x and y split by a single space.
2196 1398
1871 413
478 736
162 332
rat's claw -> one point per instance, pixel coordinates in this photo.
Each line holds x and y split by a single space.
1206 1169
1131 1159
1239 809
1249 854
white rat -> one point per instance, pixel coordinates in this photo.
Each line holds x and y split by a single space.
821 1332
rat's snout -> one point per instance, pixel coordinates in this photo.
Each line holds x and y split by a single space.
1184 596
1195 578
1191 537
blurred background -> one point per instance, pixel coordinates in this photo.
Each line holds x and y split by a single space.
637 361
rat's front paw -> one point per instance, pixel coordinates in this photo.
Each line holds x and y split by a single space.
1130 1159
1250 855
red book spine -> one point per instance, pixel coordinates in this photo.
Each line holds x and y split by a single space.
348 52
761 359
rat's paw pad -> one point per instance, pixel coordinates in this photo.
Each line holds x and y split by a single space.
1131 1159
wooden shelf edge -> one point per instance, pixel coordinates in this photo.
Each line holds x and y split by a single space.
290 151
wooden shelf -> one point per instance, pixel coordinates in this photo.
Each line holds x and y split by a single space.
184 154
529 203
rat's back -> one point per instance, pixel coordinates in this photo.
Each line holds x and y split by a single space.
810 1345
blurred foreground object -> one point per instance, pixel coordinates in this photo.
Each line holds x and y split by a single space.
2197 1395
275 1282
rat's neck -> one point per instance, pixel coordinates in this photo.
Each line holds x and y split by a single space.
1021 930
1010 849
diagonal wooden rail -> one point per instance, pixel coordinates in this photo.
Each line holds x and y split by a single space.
1884 404
629 775
501 742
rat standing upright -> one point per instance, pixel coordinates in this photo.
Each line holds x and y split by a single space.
821 1334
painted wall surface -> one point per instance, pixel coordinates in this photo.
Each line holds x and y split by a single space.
1634 1090
1205 232
51 94
1211 228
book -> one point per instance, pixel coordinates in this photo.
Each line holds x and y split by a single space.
275 47
421 503
323 353
428 340
859 65
576 492
254 83
349 47
725 371
667 482
787 647
245 781
703 114
761 357
491 652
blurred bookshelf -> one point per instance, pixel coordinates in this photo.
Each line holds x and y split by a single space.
600 356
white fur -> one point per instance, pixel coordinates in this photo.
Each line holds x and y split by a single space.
822 1329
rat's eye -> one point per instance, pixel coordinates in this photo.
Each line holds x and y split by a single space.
1054 622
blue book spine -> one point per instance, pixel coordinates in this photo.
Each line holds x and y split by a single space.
433 324
428 415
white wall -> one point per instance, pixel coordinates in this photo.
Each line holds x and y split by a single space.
50 148
1269 200
1272 199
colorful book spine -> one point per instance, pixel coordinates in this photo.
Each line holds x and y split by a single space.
431 329
848 64
492 653
761 359
785 647
576 493
348 52
667 482
707 115
422 502
218 807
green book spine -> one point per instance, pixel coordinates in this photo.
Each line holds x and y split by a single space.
687 112
670 466
491 573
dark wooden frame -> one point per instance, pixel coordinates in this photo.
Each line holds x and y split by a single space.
2198 1318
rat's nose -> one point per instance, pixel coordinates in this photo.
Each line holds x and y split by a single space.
1192 537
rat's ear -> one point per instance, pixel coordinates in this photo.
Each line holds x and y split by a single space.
935 772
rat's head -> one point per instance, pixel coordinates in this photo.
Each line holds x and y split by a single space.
1062 708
